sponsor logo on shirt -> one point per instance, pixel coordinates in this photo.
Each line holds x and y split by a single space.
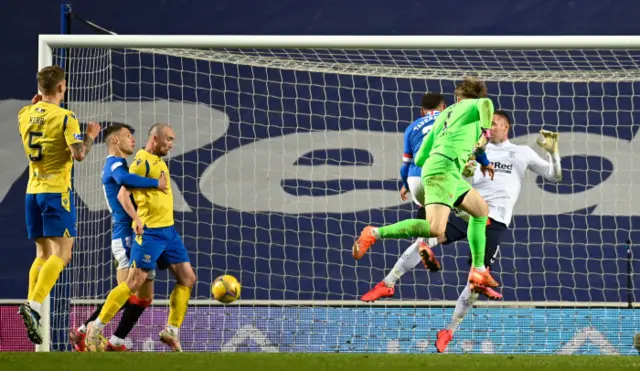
502 167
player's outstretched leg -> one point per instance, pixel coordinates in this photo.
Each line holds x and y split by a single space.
407 261
404 229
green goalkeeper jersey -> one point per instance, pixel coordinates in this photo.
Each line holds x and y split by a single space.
457 130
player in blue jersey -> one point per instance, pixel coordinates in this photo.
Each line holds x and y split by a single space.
115 174
52 141
432 104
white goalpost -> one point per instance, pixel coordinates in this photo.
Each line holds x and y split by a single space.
288 145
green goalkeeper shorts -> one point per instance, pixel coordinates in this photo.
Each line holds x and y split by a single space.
442 180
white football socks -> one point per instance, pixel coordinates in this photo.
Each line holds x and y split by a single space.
114 340
463 305
407 261
35 306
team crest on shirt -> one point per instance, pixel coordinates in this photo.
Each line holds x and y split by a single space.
512 154
146 258
138 162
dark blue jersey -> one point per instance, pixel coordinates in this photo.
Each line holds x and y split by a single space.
413 137
115 174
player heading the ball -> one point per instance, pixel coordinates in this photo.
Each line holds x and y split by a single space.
458 130
52 140
155 238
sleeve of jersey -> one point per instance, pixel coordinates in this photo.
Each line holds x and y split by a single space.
130 180
550 169
23 110
485 111
71 128
425 148
407 157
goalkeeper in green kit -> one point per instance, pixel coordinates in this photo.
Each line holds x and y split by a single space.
460 131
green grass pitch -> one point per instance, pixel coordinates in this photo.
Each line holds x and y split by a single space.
306 362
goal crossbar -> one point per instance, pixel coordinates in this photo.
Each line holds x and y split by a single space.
342 42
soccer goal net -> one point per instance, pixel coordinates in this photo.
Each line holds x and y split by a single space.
287 146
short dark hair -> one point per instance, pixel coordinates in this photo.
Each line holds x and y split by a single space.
471 88
49 78
114 129
431 100
504 114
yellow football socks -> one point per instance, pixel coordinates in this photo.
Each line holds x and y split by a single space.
48 276
116 299
178 302
33 274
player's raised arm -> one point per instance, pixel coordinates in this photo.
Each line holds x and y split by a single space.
485 111
423 154
124 197
79 146
551 169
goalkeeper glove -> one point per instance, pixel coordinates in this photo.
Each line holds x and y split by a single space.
470 168
549 141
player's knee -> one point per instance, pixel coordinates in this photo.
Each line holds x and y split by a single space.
188 278
135 279
437 227
483 208
192 279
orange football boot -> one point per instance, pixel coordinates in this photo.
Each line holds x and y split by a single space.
363 243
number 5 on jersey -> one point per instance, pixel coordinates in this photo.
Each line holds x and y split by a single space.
35 146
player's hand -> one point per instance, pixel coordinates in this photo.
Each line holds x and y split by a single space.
36 98
403 193
548 141
162 183
488 169
138 228
469 169
93 129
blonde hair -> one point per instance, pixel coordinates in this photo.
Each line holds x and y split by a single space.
471 88
49 78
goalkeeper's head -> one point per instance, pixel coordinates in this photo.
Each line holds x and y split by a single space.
160 140
500 126
432 102
470 88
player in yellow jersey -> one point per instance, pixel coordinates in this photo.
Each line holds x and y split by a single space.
52 140
156 238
